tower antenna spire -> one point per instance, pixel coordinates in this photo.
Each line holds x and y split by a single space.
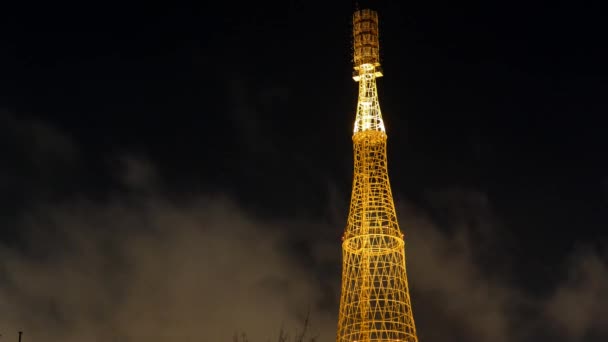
375 303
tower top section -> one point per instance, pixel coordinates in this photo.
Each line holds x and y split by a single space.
366 45
366 55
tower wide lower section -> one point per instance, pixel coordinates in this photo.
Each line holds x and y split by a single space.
375 302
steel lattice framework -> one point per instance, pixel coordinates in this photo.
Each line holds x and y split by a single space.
375 301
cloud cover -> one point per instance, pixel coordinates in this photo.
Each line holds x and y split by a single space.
142 266
151 270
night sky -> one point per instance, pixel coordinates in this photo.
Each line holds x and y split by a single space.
183 172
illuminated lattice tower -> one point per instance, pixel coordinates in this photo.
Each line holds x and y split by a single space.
375 300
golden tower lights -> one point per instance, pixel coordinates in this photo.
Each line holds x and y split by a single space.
375 300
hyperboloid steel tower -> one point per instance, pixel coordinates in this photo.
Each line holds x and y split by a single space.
375 300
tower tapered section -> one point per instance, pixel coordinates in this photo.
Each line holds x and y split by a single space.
375 300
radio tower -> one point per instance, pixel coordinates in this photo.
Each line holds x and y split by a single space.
375 300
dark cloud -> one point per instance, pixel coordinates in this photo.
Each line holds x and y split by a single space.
159 270
139 265
32 151
579 306
452 289
154 270
137 172
37 161
35 140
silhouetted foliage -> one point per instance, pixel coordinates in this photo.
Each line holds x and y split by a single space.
299 336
